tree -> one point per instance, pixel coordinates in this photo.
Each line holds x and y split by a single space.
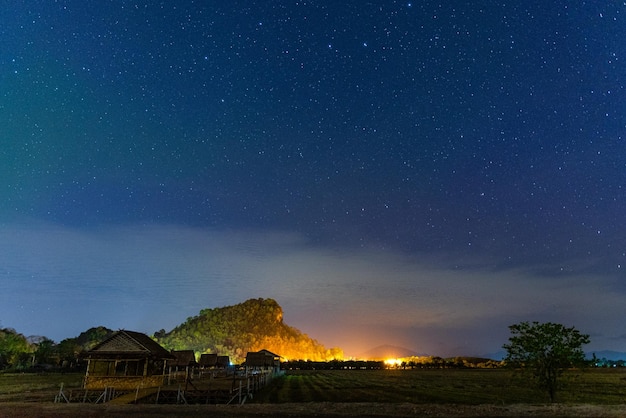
546 349
14 349
45 352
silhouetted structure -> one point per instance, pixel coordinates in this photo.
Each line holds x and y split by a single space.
126 360
184 358
208 360
223 362
213 361
263 360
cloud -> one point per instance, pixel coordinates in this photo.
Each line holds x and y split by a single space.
61 281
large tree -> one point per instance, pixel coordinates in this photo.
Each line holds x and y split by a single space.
15 350
545 349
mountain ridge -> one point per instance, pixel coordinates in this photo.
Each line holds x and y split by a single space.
249 326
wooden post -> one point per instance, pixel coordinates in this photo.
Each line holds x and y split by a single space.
86 379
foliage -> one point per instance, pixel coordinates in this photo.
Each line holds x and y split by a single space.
69 349
93 336
250 326
19 352
15 350
45 351
406 363
547 349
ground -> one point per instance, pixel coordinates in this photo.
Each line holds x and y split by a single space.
321 409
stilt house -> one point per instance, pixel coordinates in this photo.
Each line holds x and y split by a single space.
126 360
263 360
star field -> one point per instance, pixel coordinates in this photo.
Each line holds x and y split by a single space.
468 136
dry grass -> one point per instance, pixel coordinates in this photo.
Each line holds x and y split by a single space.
304 410
450 386
444 393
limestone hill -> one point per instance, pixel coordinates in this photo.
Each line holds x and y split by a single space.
249 326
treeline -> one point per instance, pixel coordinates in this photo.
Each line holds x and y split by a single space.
435 362
425 362
233 331
333 365
249 326
603 362
18 352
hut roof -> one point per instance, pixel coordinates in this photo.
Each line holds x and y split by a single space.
223 361
129 344
261 358
184 358
269 353
208 360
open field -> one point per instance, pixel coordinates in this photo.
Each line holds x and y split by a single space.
366 393
304 410
455 386
31 387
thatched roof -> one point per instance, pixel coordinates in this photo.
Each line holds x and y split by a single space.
223 361
263 358
130 345
213 360
184 358
208 360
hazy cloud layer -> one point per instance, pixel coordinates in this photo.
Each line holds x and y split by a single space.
60 281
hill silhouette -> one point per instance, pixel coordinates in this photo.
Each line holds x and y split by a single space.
253 325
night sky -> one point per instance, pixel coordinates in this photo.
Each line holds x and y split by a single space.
421 174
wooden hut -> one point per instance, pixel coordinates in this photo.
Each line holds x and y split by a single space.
126 360
223 362
208 360
213 361
184 358
183 367
263 360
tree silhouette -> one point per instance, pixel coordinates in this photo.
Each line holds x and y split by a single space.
546 349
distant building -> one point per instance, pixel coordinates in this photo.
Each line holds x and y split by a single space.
183 367
223 362
213 361
184 358
263 360
126 360
208 360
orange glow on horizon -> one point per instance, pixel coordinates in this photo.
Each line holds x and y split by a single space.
392 362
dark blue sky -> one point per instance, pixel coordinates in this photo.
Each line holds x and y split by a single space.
473 140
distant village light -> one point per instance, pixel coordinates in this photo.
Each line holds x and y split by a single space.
391 362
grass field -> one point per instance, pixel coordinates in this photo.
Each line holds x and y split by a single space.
35 387
449 386
364 393
470 387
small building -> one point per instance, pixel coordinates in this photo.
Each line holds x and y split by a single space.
213 361
126 360
184 358
214 365
183 367
223 362
263 360
208 360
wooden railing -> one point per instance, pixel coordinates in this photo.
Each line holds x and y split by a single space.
123 382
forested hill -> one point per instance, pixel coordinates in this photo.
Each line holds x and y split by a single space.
249 326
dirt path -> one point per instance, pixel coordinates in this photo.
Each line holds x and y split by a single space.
324 409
